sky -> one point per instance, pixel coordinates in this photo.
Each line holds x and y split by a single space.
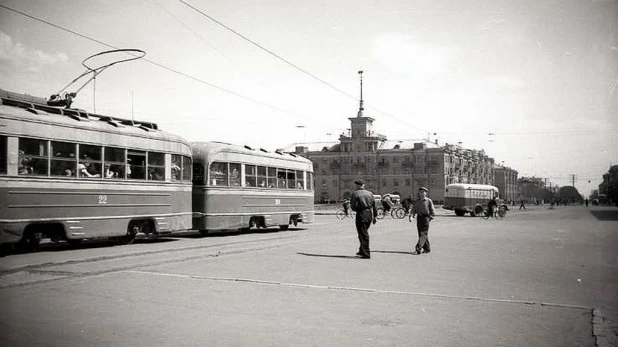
533 83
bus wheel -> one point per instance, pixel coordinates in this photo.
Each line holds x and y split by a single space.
460 213
478 211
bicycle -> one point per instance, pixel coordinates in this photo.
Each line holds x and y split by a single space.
498 214
342 215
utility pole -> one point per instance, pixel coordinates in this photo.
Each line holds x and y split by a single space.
573 176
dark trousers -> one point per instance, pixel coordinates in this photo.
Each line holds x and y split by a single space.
422 225
363 222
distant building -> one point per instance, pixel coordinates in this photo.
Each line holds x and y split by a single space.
505 179
397 167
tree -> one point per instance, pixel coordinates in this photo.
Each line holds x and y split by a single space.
569 194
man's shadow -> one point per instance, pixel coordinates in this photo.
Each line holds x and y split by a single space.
327 255
393 252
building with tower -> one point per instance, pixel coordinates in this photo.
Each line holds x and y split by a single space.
389 166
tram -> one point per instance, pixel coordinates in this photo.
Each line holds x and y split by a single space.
66 174
238 187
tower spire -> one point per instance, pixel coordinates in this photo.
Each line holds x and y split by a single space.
361 108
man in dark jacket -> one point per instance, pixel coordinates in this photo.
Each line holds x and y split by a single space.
424 210
363 203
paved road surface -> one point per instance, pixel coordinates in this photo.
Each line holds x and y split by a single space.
542 277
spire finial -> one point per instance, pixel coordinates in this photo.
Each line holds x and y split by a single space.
361 108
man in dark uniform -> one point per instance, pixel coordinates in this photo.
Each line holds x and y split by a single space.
492 206
363 203
424 210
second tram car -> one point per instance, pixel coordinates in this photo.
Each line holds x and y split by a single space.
70 175
236 187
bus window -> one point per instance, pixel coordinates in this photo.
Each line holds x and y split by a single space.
300 177
63 161
136 169
3 154
309 180
291 175
90 161
235 175
272 177
156 166
114 163
32 157
281 178
187 163
250 176
176 167
261 176
218 174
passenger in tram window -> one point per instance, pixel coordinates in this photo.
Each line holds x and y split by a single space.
24 164
83 171
109 173
154 174
263 183
68 173
176 172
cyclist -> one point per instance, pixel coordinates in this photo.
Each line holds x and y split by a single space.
406 204
387 203
346 206
492 205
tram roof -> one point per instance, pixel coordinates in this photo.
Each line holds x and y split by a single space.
34 109
213 147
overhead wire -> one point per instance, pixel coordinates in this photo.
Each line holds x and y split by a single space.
295 66
163 66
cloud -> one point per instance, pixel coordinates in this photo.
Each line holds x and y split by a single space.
504 83
27 59
401 54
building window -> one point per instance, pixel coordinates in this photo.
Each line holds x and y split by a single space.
408 182
395 159
396 183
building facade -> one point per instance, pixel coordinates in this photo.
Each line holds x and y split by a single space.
505 179
396 167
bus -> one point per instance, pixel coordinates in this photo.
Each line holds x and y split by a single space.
69 175
237 187
468 198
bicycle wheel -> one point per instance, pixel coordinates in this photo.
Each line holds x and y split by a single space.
501 213
398 213
380 213
485 214
340 214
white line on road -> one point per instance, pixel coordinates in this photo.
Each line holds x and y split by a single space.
356 289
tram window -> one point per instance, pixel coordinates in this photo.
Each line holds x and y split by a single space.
136 165
63 161
250 176
309 180
218 174
281 179
32 157
156 166
261 176
272 177
235 175
177 167
115 165
3 156
300 177
187 163
291 174
90 164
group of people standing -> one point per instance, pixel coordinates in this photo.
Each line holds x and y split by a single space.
363 203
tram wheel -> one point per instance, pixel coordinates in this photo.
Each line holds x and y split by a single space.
29 242
132 230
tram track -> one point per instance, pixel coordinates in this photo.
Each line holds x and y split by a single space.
34 267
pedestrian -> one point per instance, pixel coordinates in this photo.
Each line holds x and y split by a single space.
586 201
522 205
363 203
424 211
